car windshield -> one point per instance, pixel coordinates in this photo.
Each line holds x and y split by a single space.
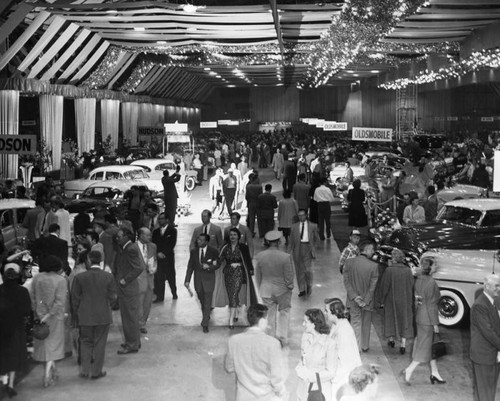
460 215
134 174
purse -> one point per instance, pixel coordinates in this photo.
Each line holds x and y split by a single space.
41 330
315 395
438 346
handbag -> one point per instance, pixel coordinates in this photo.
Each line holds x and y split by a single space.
41 330
315 395
438 346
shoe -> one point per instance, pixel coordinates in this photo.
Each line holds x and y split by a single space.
205 329
434 379
83 375
143 330
47 381
174 297
231 327
365 349
99 376
403 373
391 343
126 350
157 301
10 391
322 238
402 350
302 293
309 290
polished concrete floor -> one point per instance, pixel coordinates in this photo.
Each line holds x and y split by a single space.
178 361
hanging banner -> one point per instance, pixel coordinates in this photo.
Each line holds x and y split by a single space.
487 119
150 131
208 124
17 144
372 134
177 127
334 126
320 122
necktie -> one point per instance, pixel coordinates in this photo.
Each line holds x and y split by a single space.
202 256
205 230
145 249
302 232
152 223
43 223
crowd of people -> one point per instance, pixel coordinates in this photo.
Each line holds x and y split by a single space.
124 256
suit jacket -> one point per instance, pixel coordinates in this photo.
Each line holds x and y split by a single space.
52 245
257 360
91 294
312 230
266 203
203 278
246 237
215 233
289 169
165 243
273 272
252 193
301 195
145 279
360 279
129 264
485 331
30 222
169 188
108 243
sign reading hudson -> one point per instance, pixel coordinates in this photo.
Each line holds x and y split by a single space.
18 144
372 134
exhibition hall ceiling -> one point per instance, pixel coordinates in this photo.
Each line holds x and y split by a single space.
182 50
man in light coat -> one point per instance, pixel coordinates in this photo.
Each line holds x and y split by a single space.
274 277
256 359
304 239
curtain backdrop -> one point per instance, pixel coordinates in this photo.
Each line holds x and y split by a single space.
85 123
110 114
130 115
51 123
9 125
158 115
145 115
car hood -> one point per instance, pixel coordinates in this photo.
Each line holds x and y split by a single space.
433 235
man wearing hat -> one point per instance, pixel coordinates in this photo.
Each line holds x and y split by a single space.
351 250
274 277
304 238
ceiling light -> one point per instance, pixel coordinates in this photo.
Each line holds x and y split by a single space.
111 12
350 71
231 86
139 28
355 75
190 8
212 73
218 76
161 42
207 68
374 71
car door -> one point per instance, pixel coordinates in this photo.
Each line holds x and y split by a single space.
488 235
8 228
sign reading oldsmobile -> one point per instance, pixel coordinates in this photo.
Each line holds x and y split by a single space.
372 134
18 144
334 126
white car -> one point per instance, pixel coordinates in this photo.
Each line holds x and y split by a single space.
12 212
119 172
156 167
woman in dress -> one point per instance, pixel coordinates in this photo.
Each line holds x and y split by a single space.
427 318
414 213
396 299
15 305
49 296
356 198
318 356
287 214
235 288
346 345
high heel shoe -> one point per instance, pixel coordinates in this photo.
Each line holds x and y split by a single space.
403 373
231 327
434 379
54 373
47 381
391 343
10 391
402 350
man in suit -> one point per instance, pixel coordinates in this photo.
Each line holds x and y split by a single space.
150 217
323 197
274 277
43 219
146 278
107 239
257 360
170 193
203 261
301 192
91 295
93 237
266 203
246 235
304 240
253 190
165 239
52 245
213 231
360 280
485 341
30 221
129 264
289 173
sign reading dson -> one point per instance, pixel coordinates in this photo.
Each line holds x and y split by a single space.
372 134
18 144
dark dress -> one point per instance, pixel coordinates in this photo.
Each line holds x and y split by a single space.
15 305
357 213
234 277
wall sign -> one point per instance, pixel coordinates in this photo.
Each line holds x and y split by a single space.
208 124
150 131
17 144
177 127
372 134
334 126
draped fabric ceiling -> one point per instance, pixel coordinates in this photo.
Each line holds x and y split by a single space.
182 51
